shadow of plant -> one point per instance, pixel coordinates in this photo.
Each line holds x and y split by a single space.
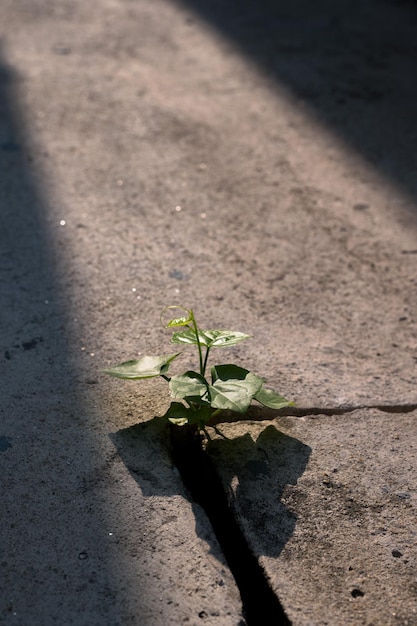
254 475
146 451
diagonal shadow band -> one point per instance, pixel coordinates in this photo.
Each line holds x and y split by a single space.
351 63
48 524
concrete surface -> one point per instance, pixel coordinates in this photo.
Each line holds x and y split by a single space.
329 507
256 163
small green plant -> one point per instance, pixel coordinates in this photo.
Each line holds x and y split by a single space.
198 399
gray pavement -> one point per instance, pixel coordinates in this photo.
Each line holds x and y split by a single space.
328 504
254 163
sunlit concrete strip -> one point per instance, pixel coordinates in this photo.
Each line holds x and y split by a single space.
340 65
54 558
186 175
329 507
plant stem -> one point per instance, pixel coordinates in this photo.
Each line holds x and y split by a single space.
205 361
200 354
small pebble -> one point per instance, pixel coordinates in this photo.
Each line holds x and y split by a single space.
62 50
4 443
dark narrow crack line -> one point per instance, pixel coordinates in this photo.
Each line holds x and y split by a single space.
394 408
262 413
259 602
342 410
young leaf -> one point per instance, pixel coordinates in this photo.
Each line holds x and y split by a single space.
188 384
271 399
146 367
178 321
209 338
233 388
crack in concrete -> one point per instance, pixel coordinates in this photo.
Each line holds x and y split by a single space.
260 604
342 410
202 481
264 414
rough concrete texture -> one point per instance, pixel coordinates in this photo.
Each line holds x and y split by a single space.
329 507
256 162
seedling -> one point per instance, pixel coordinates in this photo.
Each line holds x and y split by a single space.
198 398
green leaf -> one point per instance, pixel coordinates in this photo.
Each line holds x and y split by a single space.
209 338
188 385
225 338
178 321
201 416
177 414
271 399
146 367
197 400
233 388
178 421
186 336
181 415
